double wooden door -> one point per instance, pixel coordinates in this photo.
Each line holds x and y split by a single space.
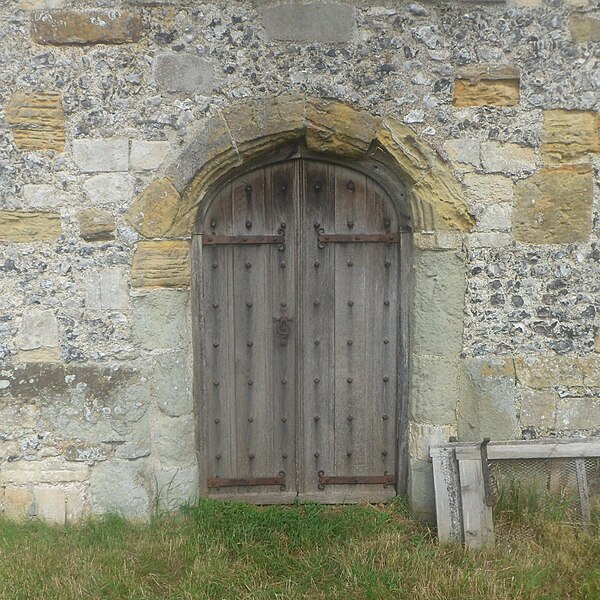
300 321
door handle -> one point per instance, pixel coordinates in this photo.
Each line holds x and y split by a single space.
283 328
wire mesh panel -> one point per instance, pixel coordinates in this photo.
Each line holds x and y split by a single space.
568 487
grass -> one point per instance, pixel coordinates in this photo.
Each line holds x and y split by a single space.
227 550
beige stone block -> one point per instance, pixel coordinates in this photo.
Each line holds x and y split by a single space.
336 128
39 330
538 408
421 437
40 355
50 504
96 225
37 120
161 264
50 470
507 158
154 211
41 4
585 28
77 504
66 27
17 503
464 153
146 155
28 227
578 413
106 289
570 135
597 341
543 372
491 239
486 85
43 196
554 206
488 189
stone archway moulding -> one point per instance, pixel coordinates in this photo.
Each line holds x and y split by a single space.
164 213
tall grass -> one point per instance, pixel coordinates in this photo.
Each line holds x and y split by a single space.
221 550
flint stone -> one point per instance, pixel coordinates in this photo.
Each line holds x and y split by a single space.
110 188
184 73
121 487
309 22
98 155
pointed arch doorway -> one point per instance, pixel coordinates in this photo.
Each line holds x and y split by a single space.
300 275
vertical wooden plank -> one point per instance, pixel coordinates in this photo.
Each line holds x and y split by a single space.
448 508
317 306
478 523
584 493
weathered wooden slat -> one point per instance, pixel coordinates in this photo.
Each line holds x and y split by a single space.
447 496
532 449
584 493
478 524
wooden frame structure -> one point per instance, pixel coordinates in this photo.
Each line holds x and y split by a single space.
461 480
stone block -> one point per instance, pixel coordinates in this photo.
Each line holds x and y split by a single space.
336 128
174 441
49 470
585 28
41 4
438 303
110 188
486 85
488 400
96 225
154 211
50 504
538 408
38 336
27 227
497 217
146 155
175 72
487 190
421 437
77 504
161 320
464 153
438 240
597 341
435 391
122 487
570 135
176 487
543 372
508 158
67 27
171 384
161 264
316 22
44 196
578 414
37 120
554 206
488 240
106 289
99 155
18 503
421 492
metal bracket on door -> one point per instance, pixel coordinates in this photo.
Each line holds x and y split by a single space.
283 328
350 238
384 479
216 240
219 482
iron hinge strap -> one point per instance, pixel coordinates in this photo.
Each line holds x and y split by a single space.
214 240
385 479
219 482
349 238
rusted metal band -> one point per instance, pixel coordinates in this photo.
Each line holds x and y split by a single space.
219 482
385 479
214 240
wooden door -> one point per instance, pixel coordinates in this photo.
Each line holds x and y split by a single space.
301 270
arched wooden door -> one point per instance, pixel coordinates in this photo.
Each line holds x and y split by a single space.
301 366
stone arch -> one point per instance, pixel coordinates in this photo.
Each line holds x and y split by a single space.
166 209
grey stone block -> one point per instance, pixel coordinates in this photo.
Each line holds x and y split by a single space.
106 289
309 22
438 308
171 384
38 330
434 390
184 73
110 188
92 156
174 441
121 487
488 400
421 494
176 487
161 320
